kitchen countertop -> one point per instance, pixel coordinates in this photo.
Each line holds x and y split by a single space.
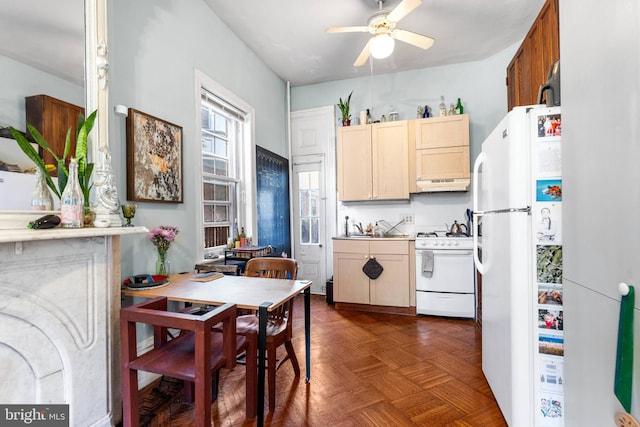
367 237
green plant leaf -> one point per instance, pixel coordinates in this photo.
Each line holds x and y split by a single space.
28 149
41 141
63 175
67 144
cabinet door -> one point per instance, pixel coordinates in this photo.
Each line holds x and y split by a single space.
442 132
354 163
392 287
53 118
350 284
442 163
390 155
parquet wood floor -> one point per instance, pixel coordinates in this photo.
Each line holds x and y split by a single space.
367 370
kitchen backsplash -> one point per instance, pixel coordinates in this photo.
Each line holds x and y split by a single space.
428 211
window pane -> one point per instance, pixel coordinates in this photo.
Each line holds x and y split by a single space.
221 124
207 143
208 164
221 213
309 196
205 118
314 231
216 236
222 192
304 230
208 213
220 147
222 167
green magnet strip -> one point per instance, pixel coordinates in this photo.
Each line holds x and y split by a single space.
624 356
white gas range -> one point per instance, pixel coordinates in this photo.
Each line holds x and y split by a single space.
445 275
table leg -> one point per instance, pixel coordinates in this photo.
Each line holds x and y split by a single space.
262 349
307 331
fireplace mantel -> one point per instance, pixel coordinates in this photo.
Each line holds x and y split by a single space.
59 306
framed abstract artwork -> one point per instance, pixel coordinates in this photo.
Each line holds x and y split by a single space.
154 159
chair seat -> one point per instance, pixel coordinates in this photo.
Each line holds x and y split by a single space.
250 322
175 359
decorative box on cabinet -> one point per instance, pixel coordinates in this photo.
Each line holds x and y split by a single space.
373 161
441 154
52 118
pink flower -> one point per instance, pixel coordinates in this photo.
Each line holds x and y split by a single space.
162 236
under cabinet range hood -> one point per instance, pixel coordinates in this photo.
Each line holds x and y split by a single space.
434 185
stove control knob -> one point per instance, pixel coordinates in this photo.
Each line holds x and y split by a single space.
455 243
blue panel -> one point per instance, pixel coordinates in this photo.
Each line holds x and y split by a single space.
272 175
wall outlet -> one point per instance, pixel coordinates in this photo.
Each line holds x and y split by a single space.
408 218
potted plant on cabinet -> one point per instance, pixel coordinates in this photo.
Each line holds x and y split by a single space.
84 169
344 109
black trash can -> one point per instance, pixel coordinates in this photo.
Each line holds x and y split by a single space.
329 291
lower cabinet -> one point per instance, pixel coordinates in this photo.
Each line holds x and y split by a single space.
352 285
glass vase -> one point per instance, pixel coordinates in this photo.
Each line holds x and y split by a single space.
163 267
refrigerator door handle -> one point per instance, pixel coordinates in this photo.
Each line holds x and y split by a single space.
476 217
507 210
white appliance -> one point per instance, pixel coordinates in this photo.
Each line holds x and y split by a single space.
445 284
517 198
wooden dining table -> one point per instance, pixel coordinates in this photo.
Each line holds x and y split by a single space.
253 293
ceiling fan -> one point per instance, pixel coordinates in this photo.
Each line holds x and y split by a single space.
382 25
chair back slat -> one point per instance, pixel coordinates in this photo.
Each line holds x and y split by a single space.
274 268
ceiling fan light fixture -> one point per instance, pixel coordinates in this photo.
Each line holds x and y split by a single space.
382 45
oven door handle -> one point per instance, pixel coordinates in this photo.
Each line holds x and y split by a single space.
446 252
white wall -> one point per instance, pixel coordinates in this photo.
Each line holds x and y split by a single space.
482 89
20 80
156 47
600 61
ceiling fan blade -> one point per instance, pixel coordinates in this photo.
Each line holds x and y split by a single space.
413 38
360 29
364 55
403 9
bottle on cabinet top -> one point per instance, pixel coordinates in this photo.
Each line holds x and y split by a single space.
459 107
443 107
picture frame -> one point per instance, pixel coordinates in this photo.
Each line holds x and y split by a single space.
154 159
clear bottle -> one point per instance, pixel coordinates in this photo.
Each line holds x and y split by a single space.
443 107
41 199
72 200
459 107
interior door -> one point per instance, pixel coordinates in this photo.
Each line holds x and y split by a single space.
309 214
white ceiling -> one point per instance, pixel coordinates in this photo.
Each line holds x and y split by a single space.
289 35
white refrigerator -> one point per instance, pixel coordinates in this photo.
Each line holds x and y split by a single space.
517 201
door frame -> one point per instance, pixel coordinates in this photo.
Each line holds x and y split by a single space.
327 116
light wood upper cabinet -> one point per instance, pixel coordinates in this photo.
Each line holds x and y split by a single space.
373 161
354 163
441 154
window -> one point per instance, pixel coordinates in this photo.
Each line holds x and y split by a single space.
309 190
223 136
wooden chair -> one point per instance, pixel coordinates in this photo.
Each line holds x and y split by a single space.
195 356
280 322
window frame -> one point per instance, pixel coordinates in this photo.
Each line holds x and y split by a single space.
246 183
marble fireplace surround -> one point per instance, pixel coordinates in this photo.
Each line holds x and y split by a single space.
59 306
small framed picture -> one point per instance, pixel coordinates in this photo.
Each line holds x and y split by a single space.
154 159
